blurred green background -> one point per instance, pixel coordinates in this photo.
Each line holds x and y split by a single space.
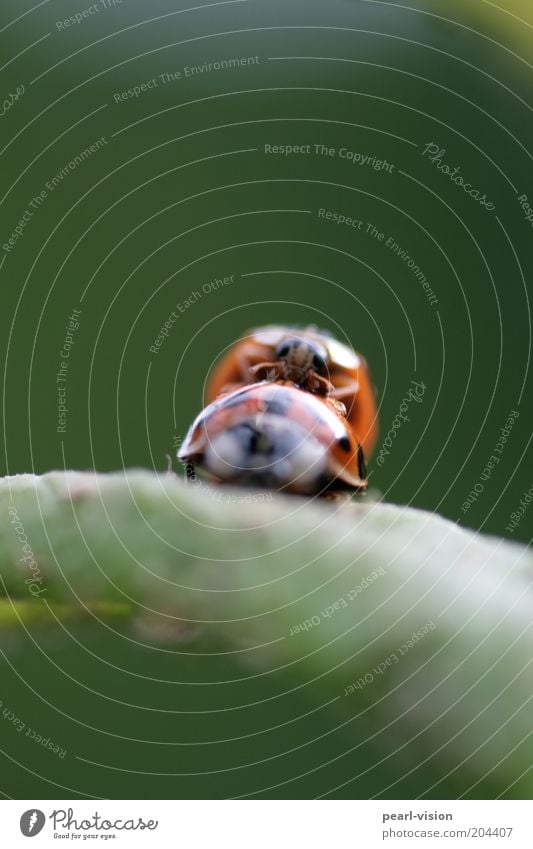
181 192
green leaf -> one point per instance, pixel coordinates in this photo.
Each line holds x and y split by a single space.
418 628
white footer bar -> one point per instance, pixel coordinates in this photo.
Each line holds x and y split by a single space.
269 824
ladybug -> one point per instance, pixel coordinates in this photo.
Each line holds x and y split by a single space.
274 435
312 360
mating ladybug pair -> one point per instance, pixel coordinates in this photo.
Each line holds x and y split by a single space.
289 409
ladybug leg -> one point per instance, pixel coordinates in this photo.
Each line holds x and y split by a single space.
348 392
351 389
270 370
170 471
246 355
338 405
320 384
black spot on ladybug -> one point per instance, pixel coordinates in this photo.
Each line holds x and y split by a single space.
279 406
361 462
257 443
344 443
253 441
324 481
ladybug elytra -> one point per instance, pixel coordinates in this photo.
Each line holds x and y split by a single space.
310 359
276 435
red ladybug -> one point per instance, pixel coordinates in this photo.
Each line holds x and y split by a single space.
312 360
274 435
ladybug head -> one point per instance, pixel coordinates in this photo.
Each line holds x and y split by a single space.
301 355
